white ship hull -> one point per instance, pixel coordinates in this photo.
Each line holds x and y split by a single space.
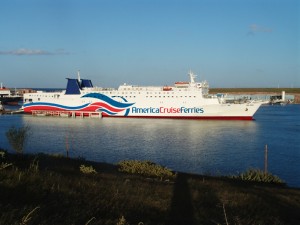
183 102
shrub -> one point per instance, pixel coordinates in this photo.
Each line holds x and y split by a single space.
146 168
3 165
2 154
258 176
122 221
87 169
17 137
34 166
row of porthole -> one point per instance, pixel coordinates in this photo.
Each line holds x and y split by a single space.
124 93
163 96
172 96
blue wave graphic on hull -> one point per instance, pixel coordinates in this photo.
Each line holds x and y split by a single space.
56 105
107 100
101 102
107 111
125 100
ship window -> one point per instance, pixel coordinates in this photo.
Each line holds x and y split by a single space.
38 99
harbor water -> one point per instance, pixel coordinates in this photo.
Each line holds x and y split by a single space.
195 146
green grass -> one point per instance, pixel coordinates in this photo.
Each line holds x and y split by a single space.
257 175
42 189
146 168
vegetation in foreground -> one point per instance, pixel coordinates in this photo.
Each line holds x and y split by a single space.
42 189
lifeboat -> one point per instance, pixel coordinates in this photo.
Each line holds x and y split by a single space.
181 84
167 88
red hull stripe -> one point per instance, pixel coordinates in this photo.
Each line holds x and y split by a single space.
160 117
188 117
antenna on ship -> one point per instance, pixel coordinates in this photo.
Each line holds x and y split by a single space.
192 77
78 74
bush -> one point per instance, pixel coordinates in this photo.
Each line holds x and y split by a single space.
3 165
146 168
87 169
17 137
2 154
258 176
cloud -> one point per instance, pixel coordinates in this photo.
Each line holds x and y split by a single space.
25 51
254 29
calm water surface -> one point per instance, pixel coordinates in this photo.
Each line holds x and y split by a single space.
206 147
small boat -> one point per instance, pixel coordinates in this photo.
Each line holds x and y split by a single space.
167 88
181 84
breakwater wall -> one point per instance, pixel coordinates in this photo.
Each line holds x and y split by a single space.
297 99
291 94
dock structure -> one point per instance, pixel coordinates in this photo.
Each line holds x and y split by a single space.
70 114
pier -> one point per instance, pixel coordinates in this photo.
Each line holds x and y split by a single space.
71 114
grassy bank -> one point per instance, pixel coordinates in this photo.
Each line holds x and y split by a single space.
42 189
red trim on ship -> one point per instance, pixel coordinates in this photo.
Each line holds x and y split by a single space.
26 110
188 117
181 82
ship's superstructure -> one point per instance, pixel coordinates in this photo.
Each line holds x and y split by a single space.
183 100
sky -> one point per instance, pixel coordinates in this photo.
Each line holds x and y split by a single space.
229 43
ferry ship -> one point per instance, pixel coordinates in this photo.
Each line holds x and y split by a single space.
7 98
183 100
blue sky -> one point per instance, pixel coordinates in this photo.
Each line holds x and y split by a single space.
230 43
